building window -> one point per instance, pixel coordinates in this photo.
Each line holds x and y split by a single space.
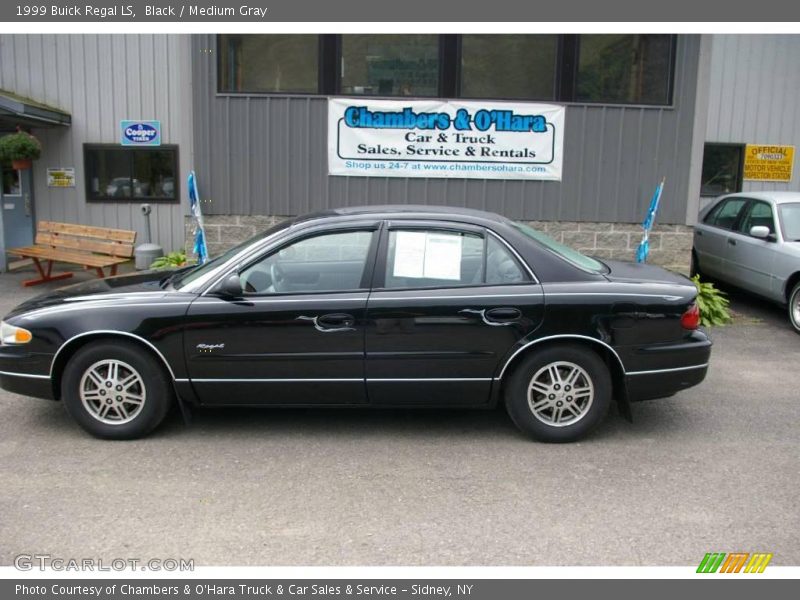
722 169
390 65
114 173
509 66
610 69
269 63
11 182
624 69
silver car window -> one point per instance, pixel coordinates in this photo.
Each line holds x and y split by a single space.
790 221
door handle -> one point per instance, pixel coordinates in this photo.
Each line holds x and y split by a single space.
698 232
731 242
505 314
332 322
495 316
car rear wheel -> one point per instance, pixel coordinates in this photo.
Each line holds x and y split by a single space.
794 307
559 394
116 391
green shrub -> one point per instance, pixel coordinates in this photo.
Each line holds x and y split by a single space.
19 146
712 303
170 261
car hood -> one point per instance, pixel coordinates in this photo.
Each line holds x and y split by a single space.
144 285
631 272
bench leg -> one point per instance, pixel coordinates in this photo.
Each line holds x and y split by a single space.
45 276
111 271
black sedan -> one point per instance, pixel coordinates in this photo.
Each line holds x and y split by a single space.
378 306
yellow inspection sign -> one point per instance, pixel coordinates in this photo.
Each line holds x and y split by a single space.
768 163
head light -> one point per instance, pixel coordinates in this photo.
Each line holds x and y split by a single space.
13 336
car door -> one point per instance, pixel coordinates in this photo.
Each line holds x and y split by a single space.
448 302
296 334
711 237
751 259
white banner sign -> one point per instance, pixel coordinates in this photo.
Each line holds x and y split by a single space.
438 138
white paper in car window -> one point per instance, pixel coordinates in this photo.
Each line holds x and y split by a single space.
427 254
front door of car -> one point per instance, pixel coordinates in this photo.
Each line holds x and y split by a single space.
752 259
447 304
296 334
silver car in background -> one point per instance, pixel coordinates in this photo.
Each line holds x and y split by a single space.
752 241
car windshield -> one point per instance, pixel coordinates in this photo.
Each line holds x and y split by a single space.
790 221
184 278
565 252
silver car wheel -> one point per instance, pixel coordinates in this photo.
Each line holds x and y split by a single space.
112 392
794 308
560 394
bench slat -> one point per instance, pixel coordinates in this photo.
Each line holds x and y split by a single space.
88 244
103 233
69 256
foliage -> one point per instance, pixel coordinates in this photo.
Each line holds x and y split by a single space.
19 146
712 303
170 261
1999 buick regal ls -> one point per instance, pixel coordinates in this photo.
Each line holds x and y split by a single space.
380 306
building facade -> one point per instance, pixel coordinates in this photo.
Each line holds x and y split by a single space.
249 113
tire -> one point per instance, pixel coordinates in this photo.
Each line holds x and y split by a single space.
136 401
576 415
794 307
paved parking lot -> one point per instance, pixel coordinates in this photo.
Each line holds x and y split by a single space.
715 468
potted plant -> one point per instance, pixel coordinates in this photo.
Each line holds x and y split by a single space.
20 148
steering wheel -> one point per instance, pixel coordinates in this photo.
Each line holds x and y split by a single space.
278 276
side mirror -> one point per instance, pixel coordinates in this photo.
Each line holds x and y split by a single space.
230 287
760 231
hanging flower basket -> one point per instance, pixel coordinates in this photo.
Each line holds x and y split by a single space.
20 148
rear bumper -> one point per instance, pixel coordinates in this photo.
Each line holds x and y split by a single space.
649 386
671 368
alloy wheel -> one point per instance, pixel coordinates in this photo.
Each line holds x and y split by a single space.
112 392
560 394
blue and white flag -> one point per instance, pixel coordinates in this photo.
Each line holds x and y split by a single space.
200 248
644 246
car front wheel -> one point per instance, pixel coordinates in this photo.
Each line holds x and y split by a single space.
794 307
559 394
116 391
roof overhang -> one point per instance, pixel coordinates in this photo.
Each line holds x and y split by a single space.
18 111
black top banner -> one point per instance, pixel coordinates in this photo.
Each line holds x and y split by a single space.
449 11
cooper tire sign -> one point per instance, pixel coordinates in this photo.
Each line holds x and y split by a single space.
435 138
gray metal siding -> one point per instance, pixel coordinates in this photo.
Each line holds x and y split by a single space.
100 80
268 155
753 88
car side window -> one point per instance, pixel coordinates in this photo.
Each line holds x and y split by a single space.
501 266
439 258
332 262
759 214
726 213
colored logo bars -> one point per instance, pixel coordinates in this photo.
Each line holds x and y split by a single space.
734 562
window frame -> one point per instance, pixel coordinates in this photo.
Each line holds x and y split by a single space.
92 197
718 207
366 275
450 55
382 258
745 214
740 175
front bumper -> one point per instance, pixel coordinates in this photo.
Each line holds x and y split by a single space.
26 373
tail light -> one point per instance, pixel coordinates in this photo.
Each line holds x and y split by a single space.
691 318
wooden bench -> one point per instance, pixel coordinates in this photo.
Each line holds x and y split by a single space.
93 247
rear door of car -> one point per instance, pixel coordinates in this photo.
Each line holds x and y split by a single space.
751 259
711 237
448 302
